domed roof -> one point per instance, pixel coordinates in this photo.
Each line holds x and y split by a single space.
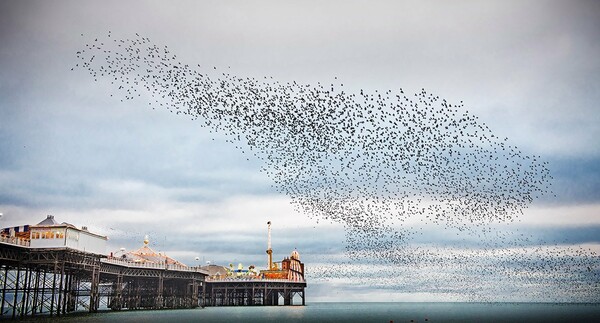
295 255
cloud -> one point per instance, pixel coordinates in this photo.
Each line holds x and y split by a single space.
67 148
566 215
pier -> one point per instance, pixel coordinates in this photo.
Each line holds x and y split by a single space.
54 269
239 287
58 281
223 292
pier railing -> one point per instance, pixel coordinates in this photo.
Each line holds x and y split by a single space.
147 265
15 240
252 279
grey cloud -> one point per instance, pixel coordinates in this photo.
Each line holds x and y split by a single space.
528 69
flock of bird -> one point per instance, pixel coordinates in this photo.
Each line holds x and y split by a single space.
382 163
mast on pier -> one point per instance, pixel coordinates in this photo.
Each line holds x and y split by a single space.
269 250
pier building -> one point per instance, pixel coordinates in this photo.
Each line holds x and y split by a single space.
51 234
279 284
45 272
53 269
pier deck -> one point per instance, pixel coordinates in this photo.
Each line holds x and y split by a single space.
57 281
240 292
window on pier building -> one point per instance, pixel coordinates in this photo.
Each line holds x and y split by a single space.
48 235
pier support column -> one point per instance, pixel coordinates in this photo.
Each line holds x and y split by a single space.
36 286
25 295
94 286
287 296
117 299
52 292
72 296
159 295
44 285
194 296
2 301
15 298
60 289
204 294
274 297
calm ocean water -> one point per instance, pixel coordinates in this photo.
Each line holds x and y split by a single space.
357 312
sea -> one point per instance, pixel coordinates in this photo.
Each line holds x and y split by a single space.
352 312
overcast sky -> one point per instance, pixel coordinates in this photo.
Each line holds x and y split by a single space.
529 69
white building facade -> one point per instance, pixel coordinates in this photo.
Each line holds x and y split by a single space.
50 234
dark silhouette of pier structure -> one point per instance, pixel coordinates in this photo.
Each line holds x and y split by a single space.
282 280
56 268
253 292
57 281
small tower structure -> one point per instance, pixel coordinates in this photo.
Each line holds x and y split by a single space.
269 250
